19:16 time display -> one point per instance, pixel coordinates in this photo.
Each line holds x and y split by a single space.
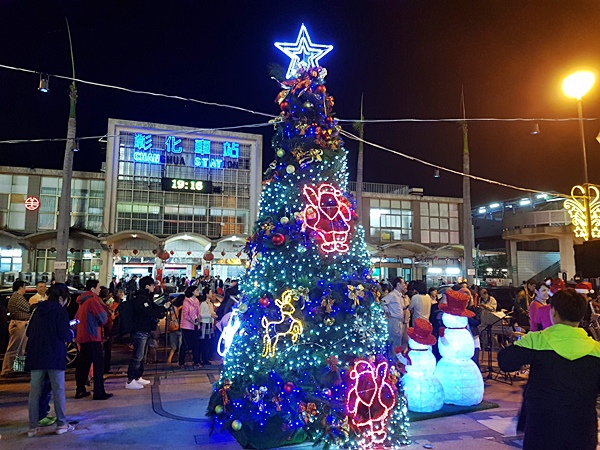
179 184
191 185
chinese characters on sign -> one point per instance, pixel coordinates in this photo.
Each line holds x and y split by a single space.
173 152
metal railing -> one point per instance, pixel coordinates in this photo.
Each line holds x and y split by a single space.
533 219
381 188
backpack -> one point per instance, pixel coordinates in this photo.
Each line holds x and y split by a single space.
174 318
126 315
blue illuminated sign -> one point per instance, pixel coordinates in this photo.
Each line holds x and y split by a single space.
147 157
202 147
231 150
171 144
143 144
142 141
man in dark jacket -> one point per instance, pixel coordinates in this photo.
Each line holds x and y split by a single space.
48 331
145 318
564 379
229 299
92 316
19 310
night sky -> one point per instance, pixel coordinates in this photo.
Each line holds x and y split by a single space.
410 58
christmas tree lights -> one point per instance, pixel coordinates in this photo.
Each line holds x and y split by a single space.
312 327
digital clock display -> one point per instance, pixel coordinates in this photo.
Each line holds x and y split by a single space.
180 184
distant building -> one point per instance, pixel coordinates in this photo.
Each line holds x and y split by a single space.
165 188
534 232
412 235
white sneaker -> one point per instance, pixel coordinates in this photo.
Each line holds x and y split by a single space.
133 384
143 382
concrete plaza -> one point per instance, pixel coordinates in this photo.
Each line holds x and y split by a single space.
170 413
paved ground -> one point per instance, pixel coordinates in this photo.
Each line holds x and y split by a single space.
170 412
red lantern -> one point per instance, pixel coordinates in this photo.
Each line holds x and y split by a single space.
115 251
264 302
278 239
238 254
72 250
135 252
52 249
164 255
172 252
223 253
208 256
154 252
92 250
189 253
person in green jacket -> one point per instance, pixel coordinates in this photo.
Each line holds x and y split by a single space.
559 402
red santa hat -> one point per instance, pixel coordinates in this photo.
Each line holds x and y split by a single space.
584 287
421 332
457 304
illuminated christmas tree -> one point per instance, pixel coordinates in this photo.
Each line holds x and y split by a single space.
305 349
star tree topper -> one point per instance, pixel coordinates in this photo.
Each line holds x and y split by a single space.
303 52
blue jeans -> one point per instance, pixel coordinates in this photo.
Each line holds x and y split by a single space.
136 365
57 381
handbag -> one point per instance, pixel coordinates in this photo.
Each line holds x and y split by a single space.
174 320
19 362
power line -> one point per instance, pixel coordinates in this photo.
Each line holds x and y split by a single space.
155 132
446 169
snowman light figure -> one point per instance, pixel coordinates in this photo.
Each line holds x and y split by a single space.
459 375
423 390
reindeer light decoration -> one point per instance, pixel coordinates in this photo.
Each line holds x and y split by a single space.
286 325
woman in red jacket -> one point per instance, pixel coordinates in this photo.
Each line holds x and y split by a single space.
190 327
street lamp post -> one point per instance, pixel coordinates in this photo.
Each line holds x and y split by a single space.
583 207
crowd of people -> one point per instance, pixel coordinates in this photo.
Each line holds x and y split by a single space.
40 328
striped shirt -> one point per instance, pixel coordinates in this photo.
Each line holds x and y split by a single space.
18 307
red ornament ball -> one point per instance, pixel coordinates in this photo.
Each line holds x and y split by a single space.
320 89
288 387
223 253
264 302
278 239
172 252
135 251
189 252
208 256
284 105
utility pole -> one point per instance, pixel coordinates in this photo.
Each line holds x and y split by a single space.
467 221
64 206
360 127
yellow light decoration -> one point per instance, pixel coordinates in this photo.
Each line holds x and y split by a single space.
292 326
584 209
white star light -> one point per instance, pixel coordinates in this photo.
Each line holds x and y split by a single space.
303 52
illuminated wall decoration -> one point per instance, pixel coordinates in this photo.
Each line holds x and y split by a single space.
459 375
584 209
328 214
370 401
303 52
286 325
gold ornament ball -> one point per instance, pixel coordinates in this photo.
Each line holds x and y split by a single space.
280 152
218 409
236 425
284 220
307 105
290 169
